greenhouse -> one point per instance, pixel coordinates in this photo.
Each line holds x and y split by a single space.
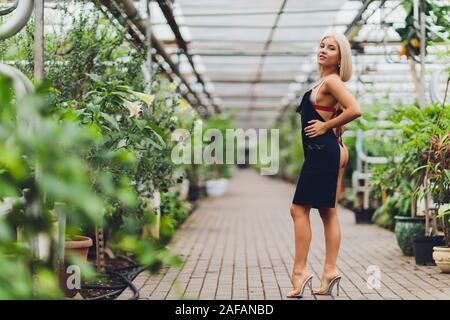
224 150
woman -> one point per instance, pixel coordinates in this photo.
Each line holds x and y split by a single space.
324 109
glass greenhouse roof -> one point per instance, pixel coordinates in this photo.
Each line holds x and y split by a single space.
258 57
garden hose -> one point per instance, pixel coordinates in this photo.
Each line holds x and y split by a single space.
127 279
20 17
118 272
8 10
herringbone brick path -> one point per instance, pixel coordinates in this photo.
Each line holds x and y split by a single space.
240 246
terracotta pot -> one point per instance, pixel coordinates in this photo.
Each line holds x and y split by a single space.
441 256
79 245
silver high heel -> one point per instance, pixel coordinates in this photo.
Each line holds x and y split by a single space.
329 289
307 281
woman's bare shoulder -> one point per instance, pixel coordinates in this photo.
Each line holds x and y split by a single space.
334 83
334 79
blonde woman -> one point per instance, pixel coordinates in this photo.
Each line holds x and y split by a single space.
324 109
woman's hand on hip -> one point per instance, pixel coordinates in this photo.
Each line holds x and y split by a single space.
316 128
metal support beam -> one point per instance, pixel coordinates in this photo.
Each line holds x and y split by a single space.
149 45
263 12
423 41
262 27
358 21
167 10
39 40
253 81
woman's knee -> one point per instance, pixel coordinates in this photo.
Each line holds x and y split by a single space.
327 213
297 212
293 210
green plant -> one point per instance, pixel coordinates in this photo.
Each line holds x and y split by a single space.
444 215
173 212
85 167
397 204
91 45
218 148
436 20
437 159
36 174
290 146
417 126
89 142
424 166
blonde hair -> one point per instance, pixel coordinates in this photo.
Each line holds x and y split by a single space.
345 69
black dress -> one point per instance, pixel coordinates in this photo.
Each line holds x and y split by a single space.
317 182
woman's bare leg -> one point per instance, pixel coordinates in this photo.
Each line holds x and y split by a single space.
332 244
302 230
332 230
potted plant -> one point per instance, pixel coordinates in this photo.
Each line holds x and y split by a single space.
407 223
423 243
193 175
435 185
218 183
78 245
441 254
406 228
75 246
398 212
218 171
419 175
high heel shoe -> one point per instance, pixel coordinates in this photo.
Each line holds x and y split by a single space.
330 286
299 294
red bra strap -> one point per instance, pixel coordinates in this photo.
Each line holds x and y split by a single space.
325 108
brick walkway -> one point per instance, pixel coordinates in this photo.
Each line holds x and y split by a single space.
240 246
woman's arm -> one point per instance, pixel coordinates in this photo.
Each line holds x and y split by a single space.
351 108
335 86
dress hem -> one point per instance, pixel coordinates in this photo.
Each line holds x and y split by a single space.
314 205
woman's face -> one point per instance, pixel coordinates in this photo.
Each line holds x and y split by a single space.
328 54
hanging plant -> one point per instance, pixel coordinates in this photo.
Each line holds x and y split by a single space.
436 17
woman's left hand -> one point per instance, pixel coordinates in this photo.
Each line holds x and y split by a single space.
315 129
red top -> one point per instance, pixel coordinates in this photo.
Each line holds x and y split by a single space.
324 108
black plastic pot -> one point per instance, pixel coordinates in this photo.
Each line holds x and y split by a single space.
363 215
194 193
423 248
246 163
